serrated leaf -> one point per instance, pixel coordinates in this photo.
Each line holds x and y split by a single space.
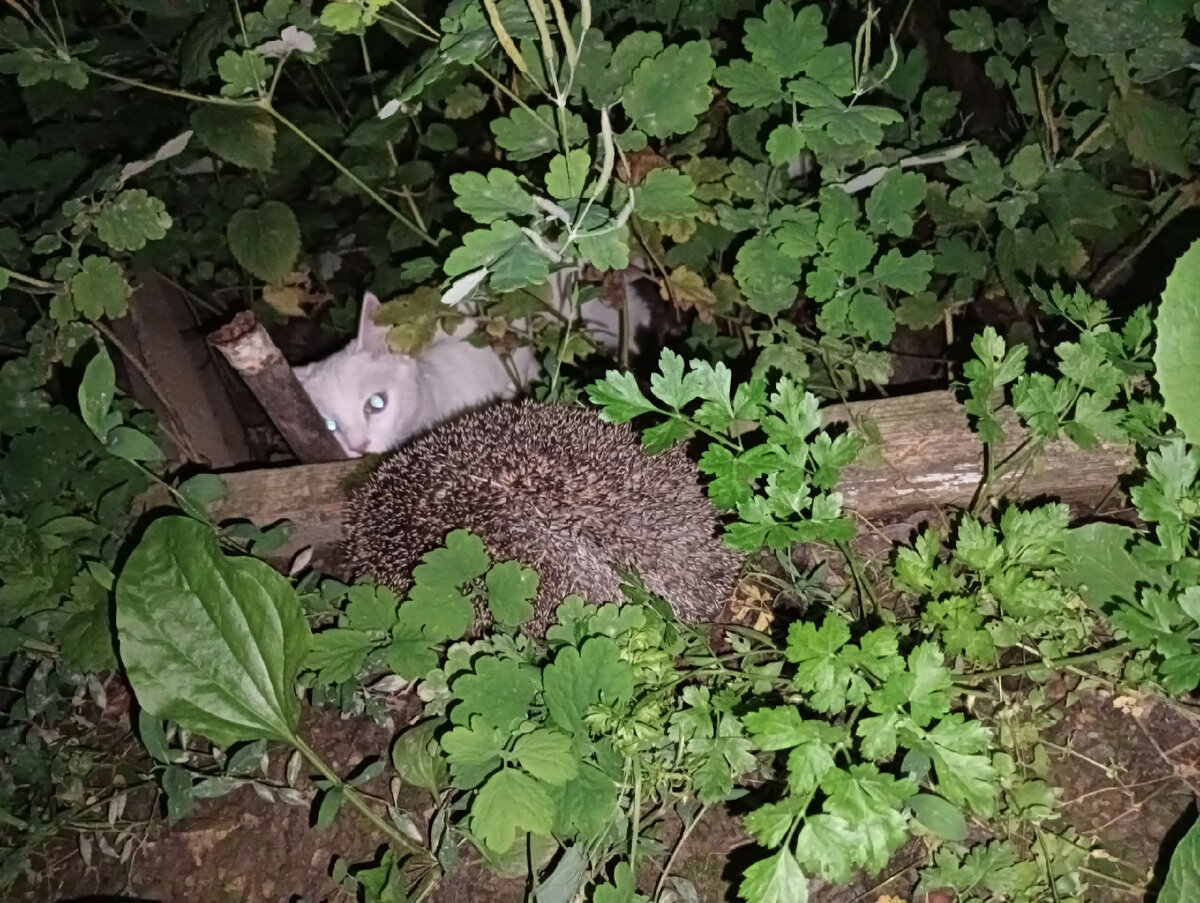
266 240
414 757
338 654
210 642
244 136
776 879
1177 323
906 274
619 397
890 205
525 135
243 73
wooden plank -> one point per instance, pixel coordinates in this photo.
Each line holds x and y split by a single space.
925 457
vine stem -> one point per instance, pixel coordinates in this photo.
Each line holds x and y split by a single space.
360 804
1053 665
265 105
28 280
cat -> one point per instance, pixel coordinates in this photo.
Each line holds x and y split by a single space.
374 400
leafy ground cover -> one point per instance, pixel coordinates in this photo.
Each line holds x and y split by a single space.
986 704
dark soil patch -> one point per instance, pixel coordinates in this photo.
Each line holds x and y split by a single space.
1127 769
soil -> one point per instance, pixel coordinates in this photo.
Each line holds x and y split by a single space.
1128 769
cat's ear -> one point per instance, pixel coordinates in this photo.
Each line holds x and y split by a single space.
371 336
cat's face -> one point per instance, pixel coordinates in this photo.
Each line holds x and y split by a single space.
362 391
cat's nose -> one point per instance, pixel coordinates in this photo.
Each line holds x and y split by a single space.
359 448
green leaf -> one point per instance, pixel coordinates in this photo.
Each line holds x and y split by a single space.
177 787
415 758
1183 874
666 193
768 277
509 255
509 802
751 85
210 642
568 174
905 274
547 755
338 654
327 808
619 396
132 445
870 316
203 489
499 692
131 219
511 588
785 144
100 289
525 135
579 678
243 136
891 202
941 818
1156 132
265 241
975 30
1177 323
1101 567
492 197
243 73
776 879
669 91
96 392
462 558
783 42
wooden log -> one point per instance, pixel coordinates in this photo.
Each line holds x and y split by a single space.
251 352
922 456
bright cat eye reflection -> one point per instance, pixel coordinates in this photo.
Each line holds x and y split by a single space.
377 402
331 424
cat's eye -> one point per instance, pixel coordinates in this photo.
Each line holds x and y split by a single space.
376 402
331 424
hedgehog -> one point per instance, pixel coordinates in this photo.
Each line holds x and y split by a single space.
559 490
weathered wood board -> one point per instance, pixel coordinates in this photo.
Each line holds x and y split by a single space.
923 456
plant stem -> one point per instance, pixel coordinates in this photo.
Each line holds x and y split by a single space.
341 168
1053 665
28 280
687 832
360 804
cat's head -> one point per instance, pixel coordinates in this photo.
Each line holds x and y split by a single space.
363 391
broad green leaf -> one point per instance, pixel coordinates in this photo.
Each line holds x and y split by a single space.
511 258
785 144
328 807
525 135
415 758
941 818
1176 364
509 802
777 879
243 73
1183 874
498 693
1156 132
666 193
131 219
266 240
492 197
547 755
890 205
100 289
1101 566
96 391
975 30
768 277
511 589
751 84
132 445
669 91
244 136
568 174
211 642
785 42
338 654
